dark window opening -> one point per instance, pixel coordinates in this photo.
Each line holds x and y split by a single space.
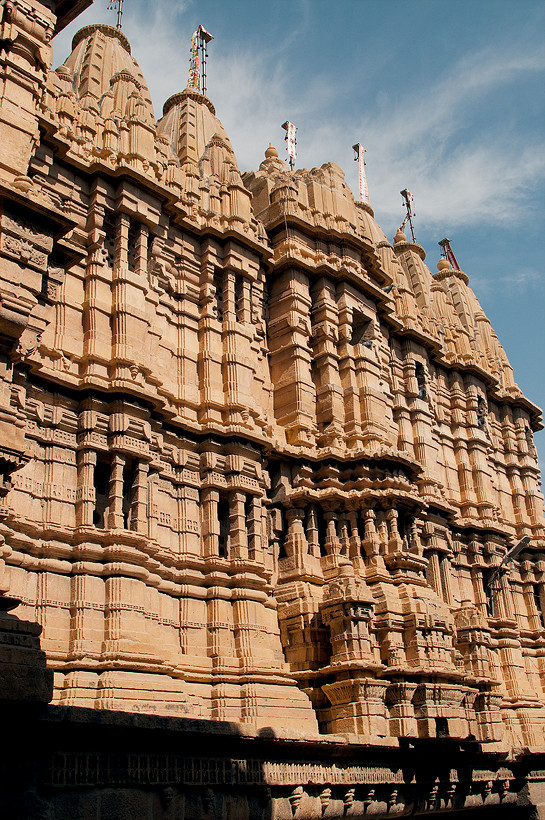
322 529
420 374
239 297
109 227
404 528
361 525
218 295
129 491
282 535
441 727
481 412
249 517
101 481
539 607
489 594
362 330
223 517
133 245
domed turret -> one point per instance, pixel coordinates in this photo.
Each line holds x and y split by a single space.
101 66
190 124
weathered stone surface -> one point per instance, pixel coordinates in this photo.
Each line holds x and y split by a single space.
258 464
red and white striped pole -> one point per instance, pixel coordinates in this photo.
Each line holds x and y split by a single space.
360 159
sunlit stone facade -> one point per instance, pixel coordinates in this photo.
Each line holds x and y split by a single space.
259 464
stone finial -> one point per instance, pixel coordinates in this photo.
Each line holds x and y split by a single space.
271 152
400 236
443 264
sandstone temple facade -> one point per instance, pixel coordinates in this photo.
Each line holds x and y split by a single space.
259 464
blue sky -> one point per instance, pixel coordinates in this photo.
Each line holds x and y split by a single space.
447 96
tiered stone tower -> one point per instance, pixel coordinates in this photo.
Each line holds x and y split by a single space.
258 463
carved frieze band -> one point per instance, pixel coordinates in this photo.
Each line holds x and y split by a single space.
89 769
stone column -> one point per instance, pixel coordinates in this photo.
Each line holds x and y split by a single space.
210 521
255 546
395 544
344 535
332 543
238 536
371 543
355 540
244 312
505 597
140 498
296 544
153 507
112 614
141 260
229 304
85 493
312 534
445 571
434 572
115 515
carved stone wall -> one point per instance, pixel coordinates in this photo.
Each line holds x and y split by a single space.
259 464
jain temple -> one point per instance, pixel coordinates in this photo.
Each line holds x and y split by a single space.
271 531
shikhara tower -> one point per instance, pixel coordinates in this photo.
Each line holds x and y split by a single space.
259 464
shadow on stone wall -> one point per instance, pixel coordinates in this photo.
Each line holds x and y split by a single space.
69 763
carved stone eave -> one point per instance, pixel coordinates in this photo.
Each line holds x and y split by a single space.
25 195
68 10
24 301
364 244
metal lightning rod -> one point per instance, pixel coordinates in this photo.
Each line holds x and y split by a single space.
204 38
407 199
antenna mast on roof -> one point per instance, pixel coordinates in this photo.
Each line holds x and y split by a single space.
448 254
408 202
359 158
118 4
197 59
291 142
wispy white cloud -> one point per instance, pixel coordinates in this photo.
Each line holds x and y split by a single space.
462 168
429 142
516 283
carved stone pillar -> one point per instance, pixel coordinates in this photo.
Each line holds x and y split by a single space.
445 571
140 498
402 720
210 522
115 515
395 544
313 537
354 550
255 546
229 306
296 544
141 250
85 493
244 312
238 536
434 572
153 506
332 543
